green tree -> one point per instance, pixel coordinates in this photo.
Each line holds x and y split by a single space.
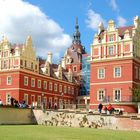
135 94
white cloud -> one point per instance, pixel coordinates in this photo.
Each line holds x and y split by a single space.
94 19
114 5
18 19
121 21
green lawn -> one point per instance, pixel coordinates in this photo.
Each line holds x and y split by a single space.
38 132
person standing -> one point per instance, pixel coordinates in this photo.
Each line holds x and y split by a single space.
1 103
100 106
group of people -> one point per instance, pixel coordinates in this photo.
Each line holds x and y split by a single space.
15 103
109 108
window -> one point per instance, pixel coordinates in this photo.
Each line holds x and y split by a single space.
32 82
5 64
75 69
8 98
25 63
5 54
39 83
68 90
9 80
72 91
50 86
25 81
60 88
55 87
45 85
39 101
101 73
117 95
65 89
26 98
136 71
47 70
117 72
32 65
101 95
111 50
111 38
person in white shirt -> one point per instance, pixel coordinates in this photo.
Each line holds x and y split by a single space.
1 103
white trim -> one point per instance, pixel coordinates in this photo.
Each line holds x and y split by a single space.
106 83
47 93
114 94
99 93
25 77
33 79
103 73
7 81
25 94
120 72
39 85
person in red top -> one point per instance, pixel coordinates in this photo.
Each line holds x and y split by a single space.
110 108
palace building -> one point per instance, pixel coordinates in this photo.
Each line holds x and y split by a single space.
115 65
24 76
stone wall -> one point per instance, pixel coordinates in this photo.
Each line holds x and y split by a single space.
77 119
10 115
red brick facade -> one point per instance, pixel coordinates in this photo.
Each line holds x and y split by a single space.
115 66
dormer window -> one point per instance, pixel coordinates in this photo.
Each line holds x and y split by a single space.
111 38
47 71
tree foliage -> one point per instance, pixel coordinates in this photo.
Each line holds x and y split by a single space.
136 93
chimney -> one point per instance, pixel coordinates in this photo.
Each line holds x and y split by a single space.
49 59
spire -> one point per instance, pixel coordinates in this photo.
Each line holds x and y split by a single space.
76 34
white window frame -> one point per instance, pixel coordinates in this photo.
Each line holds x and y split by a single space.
5 64
115 97
39 83
55 87
9 81
72 90
69 90
75 67
38 101
32 82
45 84
111 38
26 79
100 97
8 98
101 73
110 50
65 89
26 98
60 88
117 74
50 86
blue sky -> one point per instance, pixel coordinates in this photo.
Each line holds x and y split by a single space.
51 22
65 11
